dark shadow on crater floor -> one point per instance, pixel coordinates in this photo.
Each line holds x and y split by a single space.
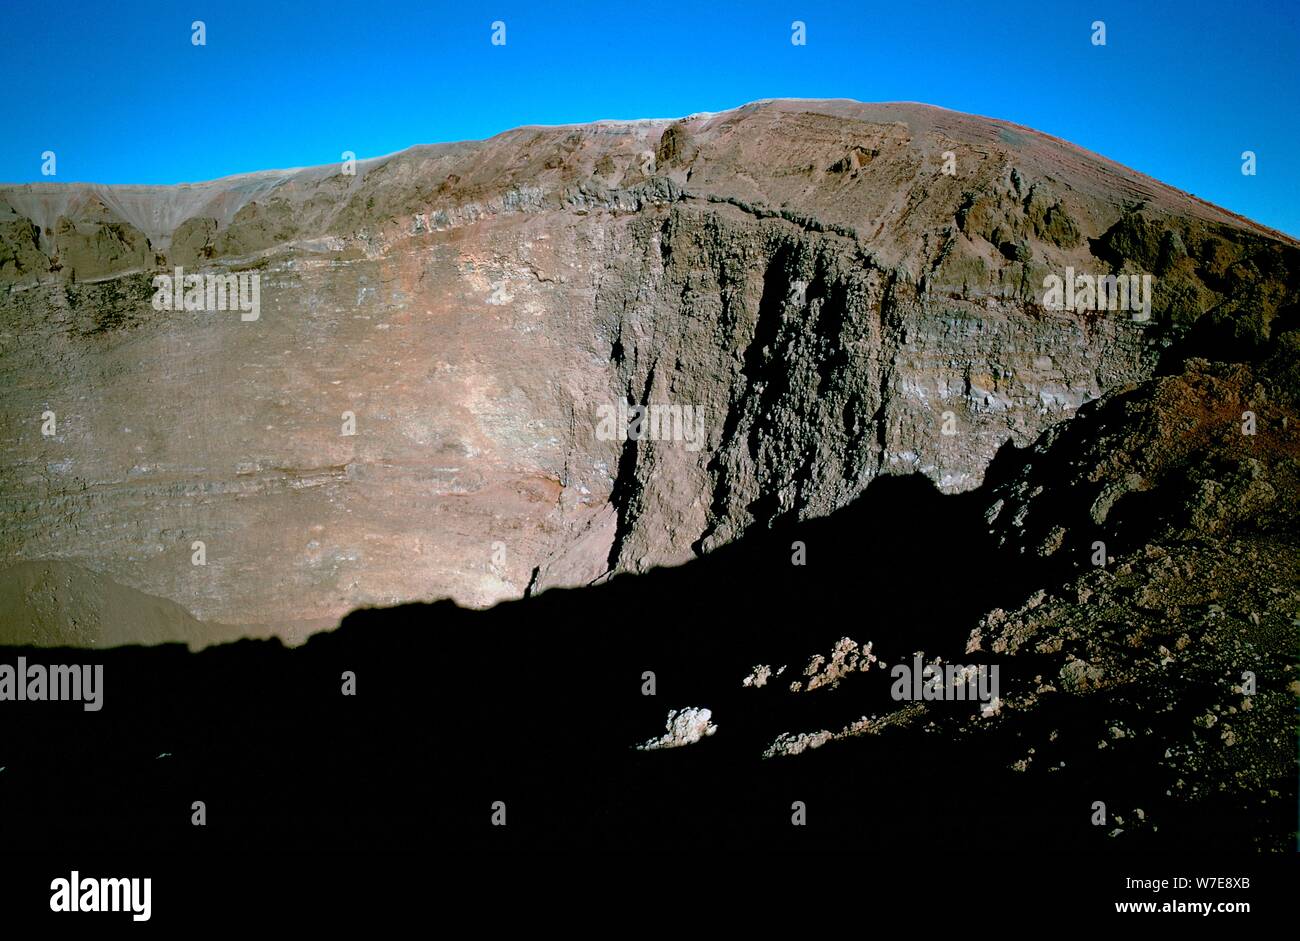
538 703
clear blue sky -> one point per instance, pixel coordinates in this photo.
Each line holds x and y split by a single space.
118 92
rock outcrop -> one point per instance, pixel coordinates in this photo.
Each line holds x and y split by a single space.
840 290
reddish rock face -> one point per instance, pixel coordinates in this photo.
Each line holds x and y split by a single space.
827 291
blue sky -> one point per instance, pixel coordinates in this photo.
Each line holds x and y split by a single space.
121 95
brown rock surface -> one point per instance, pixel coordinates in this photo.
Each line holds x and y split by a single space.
59 604
802 271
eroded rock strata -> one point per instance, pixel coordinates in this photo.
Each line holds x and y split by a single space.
803 274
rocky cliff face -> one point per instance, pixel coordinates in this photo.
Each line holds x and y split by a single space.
836 291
